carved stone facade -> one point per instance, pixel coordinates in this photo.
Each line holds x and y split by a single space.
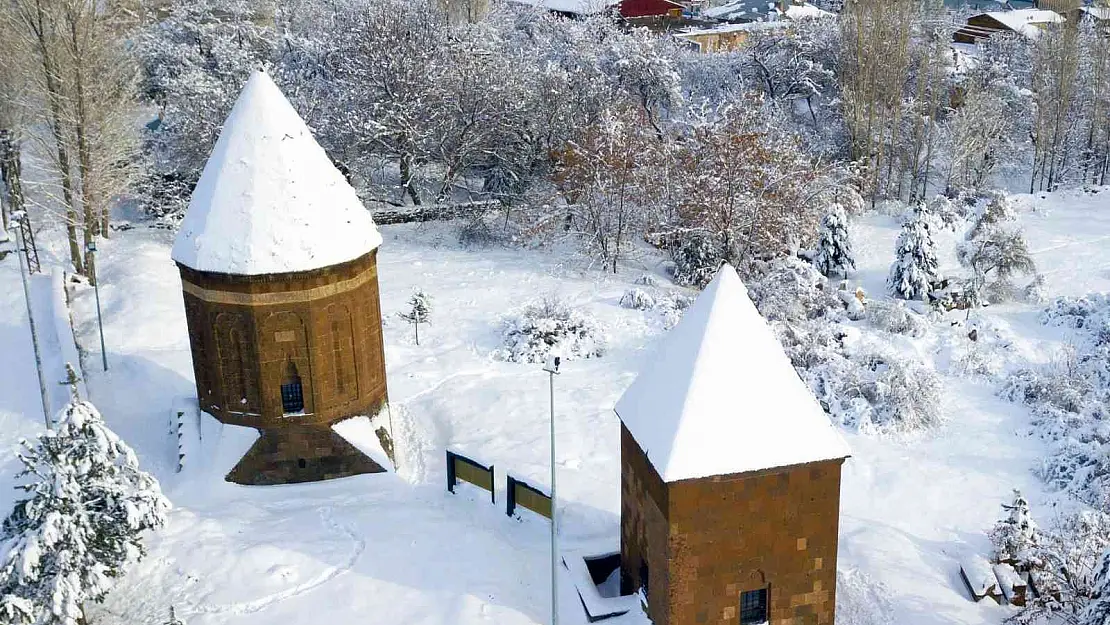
698 545
289 354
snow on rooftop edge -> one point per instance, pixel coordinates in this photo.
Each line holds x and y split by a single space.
719 396
270 200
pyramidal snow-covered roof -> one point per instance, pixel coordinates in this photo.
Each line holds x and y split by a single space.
270 200
720 396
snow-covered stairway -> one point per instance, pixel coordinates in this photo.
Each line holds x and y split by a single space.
185 429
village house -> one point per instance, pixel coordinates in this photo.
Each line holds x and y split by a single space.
633 10
741 23
1098 15
278 265
730 475
724 37
1027 23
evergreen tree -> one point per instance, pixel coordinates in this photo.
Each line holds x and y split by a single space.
915 267
420 309
1097 611
174 619
834 249
1015 535
80 526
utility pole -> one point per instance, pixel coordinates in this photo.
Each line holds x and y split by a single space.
20 216
552 369
91 249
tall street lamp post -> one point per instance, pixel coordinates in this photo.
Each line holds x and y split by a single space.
91 248
552 369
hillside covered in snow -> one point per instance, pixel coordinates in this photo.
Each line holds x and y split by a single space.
400 547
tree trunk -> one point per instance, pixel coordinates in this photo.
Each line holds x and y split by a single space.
84 155
54 99
408 184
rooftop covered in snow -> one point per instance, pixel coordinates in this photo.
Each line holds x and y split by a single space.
270 200
720 397
575 7
1025 21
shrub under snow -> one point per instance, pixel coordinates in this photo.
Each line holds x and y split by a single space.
792 290
871 389
530 335
895 317
1070 401
862 600
637 299
874 390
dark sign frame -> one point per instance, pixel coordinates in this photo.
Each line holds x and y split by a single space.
469 466
511 484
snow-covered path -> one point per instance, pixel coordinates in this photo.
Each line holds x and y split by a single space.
20 406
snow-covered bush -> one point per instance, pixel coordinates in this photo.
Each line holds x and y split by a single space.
637 299
834 255
696 260
1070 400
949 211
1090 312
915 268
647 280
896 317
1097 611
530 334
80 527
1015 536
1066 563
671 308
861 599
874 390
792 290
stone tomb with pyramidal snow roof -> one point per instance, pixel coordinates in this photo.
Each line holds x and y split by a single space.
730 475
278 264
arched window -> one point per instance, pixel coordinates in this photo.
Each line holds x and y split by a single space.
292 395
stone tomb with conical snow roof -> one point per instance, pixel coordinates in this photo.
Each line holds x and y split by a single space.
730 475
278 264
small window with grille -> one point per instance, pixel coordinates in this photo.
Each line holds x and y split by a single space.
753 607
292 395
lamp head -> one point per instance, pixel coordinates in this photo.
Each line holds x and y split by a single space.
554 359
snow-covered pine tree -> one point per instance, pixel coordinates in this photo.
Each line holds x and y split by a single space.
1097 611
915 266
1015 535
420 309
80 526
834 249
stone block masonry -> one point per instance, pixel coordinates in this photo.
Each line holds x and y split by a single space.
701 543
290 354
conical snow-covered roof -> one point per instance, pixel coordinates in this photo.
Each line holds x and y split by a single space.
720 396
270 200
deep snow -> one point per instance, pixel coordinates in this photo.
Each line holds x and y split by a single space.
397 548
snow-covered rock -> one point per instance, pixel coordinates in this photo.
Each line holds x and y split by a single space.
270 200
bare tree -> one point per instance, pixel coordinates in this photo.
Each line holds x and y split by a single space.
102 81
35 24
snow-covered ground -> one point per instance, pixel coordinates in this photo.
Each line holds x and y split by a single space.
397 548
